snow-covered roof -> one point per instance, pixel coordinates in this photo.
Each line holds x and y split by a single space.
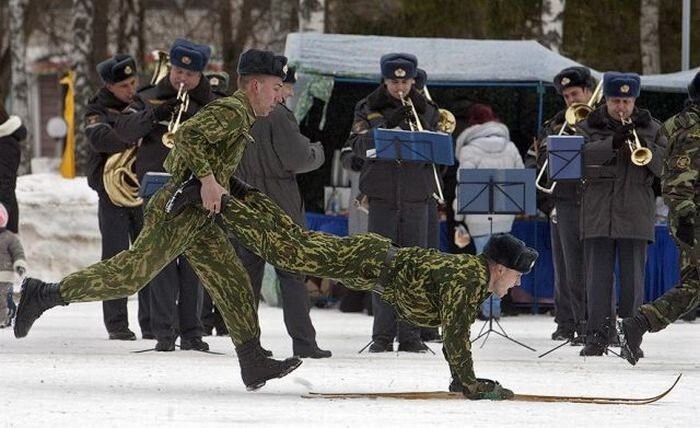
447 61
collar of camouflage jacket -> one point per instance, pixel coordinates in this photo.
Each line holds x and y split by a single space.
250 113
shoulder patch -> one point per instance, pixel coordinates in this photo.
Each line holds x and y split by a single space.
92 119
373 115
683 162
360 127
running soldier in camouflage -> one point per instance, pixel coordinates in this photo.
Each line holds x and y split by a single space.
681 192
208 146
426 287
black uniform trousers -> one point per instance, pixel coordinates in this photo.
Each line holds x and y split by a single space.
406 225
295 299
176 301
600 255
119 227
567 255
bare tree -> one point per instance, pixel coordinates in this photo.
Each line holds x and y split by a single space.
283 18
312 15
20 83
130 39
552 19
83 12
650 45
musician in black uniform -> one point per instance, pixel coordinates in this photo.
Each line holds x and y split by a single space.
111 127
398 192
575 85
176 293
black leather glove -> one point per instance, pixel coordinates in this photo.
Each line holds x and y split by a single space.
621 135
356 163
686 230
487 389
165 110
397 116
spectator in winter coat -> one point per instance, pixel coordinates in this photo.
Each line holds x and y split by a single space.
11 261
12 132
486 144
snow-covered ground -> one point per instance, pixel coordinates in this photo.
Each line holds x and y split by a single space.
66 372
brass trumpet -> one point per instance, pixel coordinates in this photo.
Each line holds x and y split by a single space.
168 138
161 67
415 125
574 114
640 155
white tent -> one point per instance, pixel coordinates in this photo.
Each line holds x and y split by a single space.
455 61
447 61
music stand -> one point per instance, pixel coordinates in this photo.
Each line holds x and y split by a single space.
565 164
496 191
401 145
398 145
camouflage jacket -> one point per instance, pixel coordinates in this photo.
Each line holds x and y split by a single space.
430 288
213 140
680 184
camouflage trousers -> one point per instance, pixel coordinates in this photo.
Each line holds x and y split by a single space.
679 300
163 238
265 229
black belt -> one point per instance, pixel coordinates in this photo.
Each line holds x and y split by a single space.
383 279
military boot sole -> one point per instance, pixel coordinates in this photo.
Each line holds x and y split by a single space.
295 363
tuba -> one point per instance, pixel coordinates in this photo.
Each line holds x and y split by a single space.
168 138
640 155
119 179
161 67
574 114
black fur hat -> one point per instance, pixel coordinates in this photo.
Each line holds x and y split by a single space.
117 68
255 61
573 76
511 252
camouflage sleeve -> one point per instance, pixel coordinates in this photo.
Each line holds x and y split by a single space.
215 122
457 317
680 177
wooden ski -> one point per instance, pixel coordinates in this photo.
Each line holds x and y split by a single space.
444 395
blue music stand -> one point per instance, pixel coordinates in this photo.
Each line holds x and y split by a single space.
564 154
416 146
496 191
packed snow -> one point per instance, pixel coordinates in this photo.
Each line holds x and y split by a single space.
66 372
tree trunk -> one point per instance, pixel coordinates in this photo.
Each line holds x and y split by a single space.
100 52
650 47
130 27
312 15
20 82
226 34
553 24
83 12
283 20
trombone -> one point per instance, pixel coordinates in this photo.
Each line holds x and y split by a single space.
640 155
168 138
574 114
447 122
416 125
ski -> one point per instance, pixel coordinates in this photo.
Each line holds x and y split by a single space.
444 395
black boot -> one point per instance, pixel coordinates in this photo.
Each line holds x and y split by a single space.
256 368
36 297
313 352
193 344
631 331
596 345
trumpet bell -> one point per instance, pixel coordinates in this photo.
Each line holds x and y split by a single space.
168 140
641 156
